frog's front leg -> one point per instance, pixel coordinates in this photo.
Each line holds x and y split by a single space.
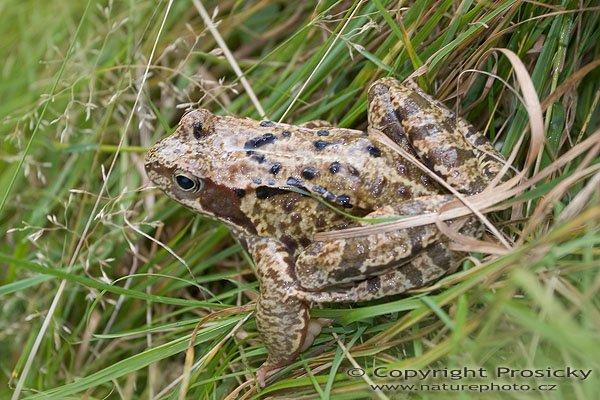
281 318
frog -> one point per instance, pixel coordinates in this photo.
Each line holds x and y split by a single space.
277 185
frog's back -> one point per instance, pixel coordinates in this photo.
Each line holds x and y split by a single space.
343 166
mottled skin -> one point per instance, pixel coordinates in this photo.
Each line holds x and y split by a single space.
244 172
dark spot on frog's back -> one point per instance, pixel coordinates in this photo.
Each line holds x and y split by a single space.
373 284
334 168
197 130
404 192
289 242
289 203
309 173
267 123
323 132
480 140
224 203
343 200
413 274
275 168
321 221
304 241
319 189
321 144
353 171
291 181
264 192
259 141
374 151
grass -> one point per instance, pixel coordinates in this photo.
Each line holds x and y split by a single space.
93 303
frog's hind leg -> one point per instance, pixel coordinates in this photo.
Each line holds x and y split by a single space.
489 159
446 143
336 262
382 115
490 162
431 264
283 326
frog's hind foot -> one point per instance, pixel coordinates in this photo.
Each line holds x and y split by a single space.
270 367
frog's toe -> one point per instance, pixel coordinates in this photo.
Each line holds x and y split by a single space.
314 329
265 370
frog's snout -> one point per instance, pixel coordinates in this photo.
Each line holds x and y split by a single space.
151 159
159 160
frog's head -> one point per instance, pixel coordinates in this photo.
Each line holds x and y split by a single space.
182 166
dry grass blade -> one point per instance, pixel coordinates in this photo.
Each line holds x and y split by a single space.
544 207
189 365
581 199
219 39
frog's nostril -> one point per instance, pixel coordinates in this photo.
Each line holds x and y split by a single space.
151 165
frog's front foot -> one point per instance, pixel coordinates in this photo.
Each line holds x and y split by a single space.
264 372
276 361
314 329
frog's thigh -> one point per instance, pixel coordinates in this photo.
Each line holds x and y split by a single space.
425 268
382 115
324 264
489 160
281 317
447 144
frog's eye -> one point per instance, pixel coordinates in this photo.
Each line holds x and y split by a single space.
188 183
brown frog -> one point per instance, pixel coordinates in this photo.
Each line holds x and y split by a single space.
271 183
